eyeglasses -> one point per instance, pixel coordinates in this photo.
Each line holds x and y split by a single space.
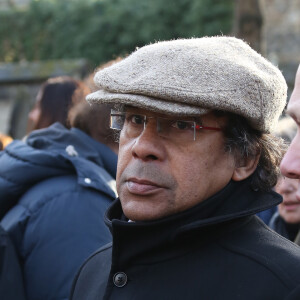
133 124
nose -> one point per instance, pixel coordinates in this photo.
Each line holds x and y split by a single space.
149 146
290 165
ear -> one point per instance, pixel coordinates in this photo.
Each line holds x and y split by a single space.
247 167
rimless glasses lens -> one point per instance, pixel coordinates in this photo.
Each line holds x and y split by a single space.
133 124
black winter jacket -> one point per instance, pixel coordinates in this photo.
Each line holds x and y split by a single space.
215 250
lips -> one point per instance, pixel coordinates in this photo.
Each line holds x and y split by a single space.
291 206
142 186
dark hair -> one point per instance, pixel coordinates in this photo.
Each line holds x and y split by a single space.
244 142
94 120
58 95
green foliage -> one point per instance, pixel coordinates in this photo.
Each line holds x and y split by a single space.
100 30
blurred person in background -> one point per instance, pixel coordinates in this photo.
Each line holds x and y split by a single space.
54 100
59 183
290 165
4 140
286 221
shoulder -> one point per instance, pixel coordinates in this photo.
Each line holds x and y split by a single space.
93 274
65 188
263 247
10 268
95 263
37 196
57 199
47 190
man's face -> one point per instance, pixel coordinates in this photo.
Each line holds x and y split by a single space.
290 165
289 209
157 177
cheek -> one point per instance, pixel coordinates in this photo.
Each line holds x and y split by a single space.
281 209
190 171
202 175
124 158
297 216
34 114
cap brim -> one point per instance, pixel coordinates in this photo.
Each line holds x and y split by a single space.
146 102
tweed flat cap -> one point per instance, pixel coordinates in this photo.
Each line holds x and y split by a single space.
193 76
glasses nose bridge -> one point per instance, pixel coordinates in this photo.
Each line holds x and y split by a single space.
146 121
159 126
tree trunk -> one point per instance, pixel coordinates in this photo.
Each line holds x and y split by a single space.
248 22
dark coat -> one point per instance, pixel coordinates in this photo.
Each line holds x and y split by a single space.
215 250
60 182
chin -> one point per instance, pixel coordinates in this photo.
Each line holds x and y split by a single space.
139 217
142 215
143 209
292 220
133 213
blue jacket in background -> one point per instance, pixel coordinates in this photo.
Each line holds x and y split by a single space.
59 182
11 279
266 215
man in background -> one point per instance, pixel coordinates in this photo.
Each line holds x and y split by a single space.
290 165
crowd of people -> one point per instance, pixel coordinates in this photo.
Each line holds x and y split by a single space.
178 178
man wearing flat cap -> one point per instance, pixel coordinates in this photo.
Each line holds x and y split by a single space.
197 161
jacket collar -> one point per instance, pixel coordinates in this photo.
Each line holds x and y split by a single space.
236 200
107 159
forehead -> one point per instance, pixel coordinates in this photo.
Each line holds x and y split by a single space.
293 108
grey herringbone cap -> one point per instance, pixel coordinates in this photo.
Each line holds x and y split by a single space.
193 76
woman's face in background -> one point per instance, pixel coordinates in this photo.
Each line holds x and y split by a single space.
35 113
289 209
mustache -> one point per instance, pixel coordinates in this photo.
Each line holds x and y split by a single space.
149 172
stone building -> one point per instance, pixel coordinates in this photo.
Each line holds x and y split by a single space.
281 35
272 27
